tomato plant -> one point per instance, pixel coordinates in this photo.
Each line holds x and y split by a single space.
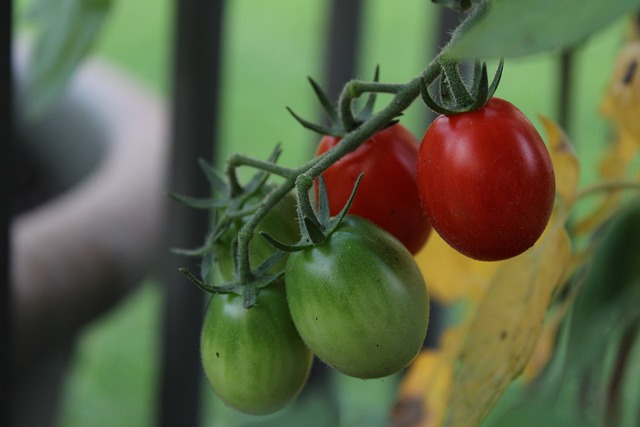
387 194
253 358
486 181
359 300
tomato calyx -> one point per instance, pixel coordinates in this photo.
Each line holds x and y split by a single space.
342 118
456 96
315 228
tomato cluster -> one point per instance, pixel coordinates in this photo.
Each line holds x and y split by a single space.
355 298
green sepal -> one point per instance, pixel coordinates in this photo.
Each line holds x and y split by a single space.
211 289
218 184
322 130
329 108
339 126
198 203
455 96
335 221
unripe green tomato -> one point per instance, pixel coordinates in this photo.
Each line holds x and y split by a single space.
281 223
359 300
254 358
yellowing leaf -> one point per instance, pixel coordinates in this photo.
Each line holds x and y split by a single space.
544 349
424 392
506 327
450 275
622 103
565 162
615 162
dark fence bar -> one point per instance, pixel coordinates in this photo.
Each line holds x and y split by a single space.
7 174
196 62
343 44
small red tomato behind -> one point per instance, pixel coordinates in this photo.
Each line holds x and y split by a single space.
486 181
387 194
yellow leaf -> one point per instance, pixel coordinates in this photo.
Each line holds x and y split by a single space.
565 161
450 275
424 392
617 159
506 327
622 103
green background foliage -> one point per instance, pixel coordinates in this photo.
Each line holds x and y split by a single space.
114 377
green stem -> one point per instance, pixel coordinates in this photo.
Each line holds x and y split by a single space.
347 119
457 87
234 184
356 88
237 160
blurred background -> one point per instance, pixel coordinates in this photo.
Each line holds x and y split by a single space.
114 367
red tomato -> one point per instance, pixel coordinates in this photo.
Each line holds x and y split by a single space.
387 194
486 181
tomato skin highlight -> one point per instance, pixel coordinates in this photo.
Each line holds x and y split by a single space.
359 300
254 358
387 194
486 181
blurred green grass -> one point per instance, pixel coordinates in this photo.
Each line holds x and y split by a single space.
270 47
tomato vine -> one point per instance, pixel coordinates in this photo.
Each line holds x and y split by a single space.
246 279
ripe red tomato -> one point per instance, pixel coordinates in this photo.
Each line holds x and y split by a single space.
387 194
486 181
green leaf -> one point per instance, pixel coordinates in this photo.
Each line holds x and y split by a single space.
522 27
67 31
630 414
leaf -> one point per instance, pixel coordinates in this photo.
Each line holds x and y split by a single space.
621 103
515 28
505 328
614 272
478 359
68 30
565 162
595 373
630 415
450 275
425 390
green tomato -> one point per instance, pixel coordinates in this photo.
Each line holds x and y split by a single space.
253 358
281 223
359 300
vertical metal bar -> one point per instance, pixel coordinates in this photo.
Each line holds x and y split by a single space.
565 91
342 54
7 174
196 74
